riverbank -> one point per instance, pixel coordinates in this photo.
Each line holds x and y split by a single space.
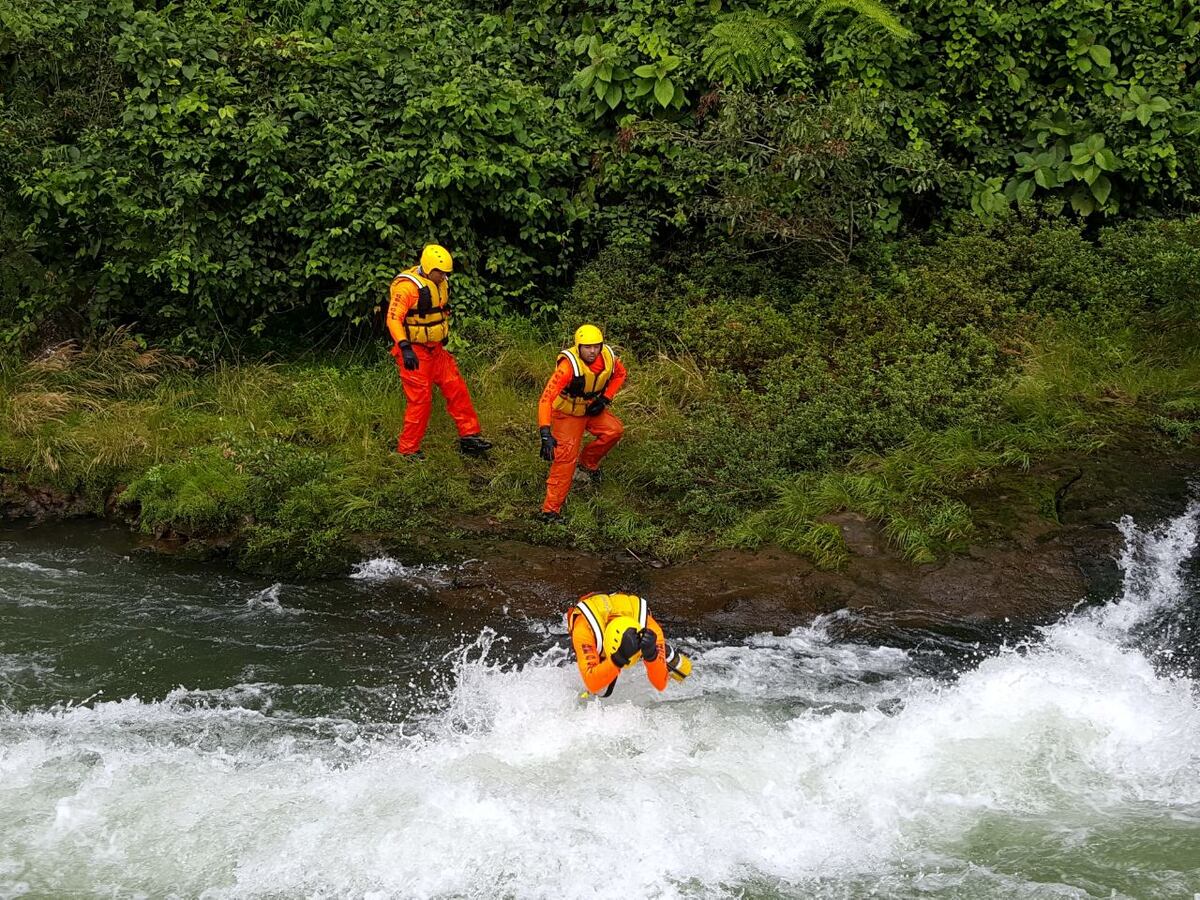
1046 538
847 414
1028 570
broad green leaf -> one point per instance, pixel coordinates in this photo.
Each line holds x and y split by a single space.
1083 202
1100 54
1144 112
646 71
664 92
1101 188
613 97
1107 160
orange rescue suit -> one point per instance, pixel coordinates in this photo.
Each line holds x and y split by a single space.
419 313
568 427
594 611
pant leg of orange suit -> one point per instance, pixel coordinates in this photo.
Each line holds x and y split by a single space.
568 431
458 399
608 430
418 391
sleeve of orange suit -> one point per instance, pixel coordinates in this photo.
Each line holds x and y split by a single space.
597 674
558 381
403 295
657 671
614 383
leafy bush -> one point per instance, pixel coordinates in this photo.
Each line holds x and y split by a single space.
233 176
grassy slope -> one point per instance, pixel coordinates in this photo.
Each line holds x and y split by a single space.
296 457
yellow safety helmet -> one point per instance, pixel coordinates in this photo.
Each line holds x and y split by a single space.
435 256
614 631
588 334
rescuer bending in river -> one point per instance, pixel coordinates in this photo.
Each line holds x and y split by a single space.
610 632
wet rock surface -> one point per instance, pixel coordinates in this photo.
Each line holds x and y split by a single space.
1044 551
19 501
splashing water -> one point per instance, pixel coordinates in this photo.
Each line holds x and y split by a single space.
384 568
1065 766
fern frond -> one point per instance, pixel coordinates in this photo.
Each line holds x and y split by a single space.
745 47
868 14
748 46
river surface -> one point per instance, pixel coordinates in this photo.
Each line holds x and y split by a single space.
172 729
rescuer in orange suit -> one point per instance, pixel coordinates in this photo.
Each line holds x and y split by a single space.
576 399
419 321
610 632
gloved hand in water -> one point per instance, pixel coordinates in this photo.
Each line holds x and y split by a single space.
629 646
649 645
549 442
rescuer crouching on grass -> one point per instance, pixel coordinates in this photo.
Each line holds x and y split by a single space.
576 399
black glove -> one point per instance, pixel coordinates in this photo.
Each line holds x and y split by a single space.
629 646
410 356
649 641
597 406
549 442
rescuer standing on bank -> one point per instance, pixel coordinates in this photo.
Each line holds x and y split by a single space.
419 321
576 399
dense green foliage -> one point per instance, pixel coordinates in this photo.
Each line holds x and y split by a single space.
758 405
216 170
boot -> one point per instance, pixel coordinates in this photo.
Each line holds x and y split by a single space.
474 445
